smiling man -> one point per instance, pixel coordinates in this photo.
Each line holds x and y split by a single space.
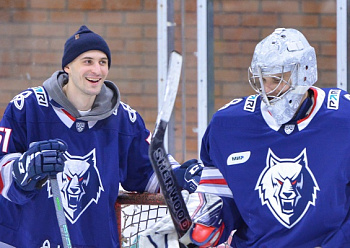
76 128
87 74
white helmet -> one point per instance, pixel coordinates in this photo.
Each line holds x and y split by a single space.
285 50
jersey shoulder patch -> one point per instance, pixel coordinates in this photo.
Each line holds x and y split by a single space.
337 99
41 96
250 103
333 99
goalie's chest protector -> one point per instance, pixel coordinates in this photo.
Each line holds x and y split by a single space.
285 179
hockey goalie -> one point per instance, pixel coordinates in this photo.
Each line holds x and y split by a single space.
276 164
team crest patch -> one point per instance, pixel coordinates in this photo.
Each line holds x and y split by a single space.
288 129
80 126
80 185
287 187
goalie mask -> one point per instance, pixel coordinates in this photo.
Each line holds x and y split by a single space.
282 69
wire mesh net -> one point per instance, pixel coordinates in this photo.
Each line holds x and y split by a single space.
135 213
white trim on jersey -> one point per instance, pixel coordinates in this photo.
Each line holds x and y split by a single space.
152 185
6 172
319 98
91 124
321 95
219 190
270 121
67 120
63 116
212 181
3 245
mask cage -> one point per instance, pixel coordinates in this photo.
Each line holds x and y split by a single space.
257 83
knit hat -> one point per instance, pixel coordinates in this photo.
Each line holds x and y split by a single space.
82 41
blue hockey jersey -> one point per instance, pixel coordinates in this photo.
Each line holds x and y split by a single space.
102 153
282 186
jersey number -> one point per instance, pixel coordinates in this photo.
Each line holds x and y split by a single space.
5 134
132 112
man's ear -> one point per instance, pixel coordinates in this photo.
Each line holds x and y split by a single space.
66 69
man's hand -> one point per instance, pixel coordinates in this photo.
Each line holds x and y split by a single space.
41 160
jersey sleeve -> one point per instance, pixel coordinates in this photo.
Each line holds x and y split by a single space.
213 182
13 143
138 174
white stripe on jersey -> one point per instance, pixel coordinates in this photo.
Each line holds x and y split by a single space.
219 190
212 181
3 245
211 173
6 172
153 184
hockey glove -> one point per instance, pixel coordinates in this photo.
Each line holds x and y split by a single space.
188 174
41 160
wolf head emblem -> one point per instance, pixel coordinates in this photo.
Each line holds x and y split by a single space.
80 184
287 187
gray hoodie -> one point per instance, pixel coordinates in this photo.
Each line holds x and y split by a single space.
105 103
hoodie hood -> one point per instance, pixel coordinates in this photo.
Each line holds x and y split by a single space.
105 103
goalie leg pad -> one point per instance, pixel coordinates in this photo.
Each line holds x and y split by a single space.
206 236
205 210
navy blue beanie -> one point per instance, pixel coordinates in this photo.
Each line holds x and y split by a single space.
82 41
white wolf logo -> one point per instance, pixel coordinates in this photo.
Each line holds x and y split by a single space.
288 187
80 184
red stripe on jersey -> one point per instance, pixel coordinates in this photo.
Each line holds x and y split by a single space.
1 184
69 115
1 181
213 181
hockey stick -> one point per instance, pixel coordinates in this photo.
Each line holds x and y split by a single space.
158 155
60 213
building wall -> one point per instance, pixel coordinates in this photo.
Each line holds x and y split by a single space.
33 32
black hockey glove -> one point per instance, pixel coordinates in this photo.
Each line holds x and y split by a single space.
189 174
41 160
